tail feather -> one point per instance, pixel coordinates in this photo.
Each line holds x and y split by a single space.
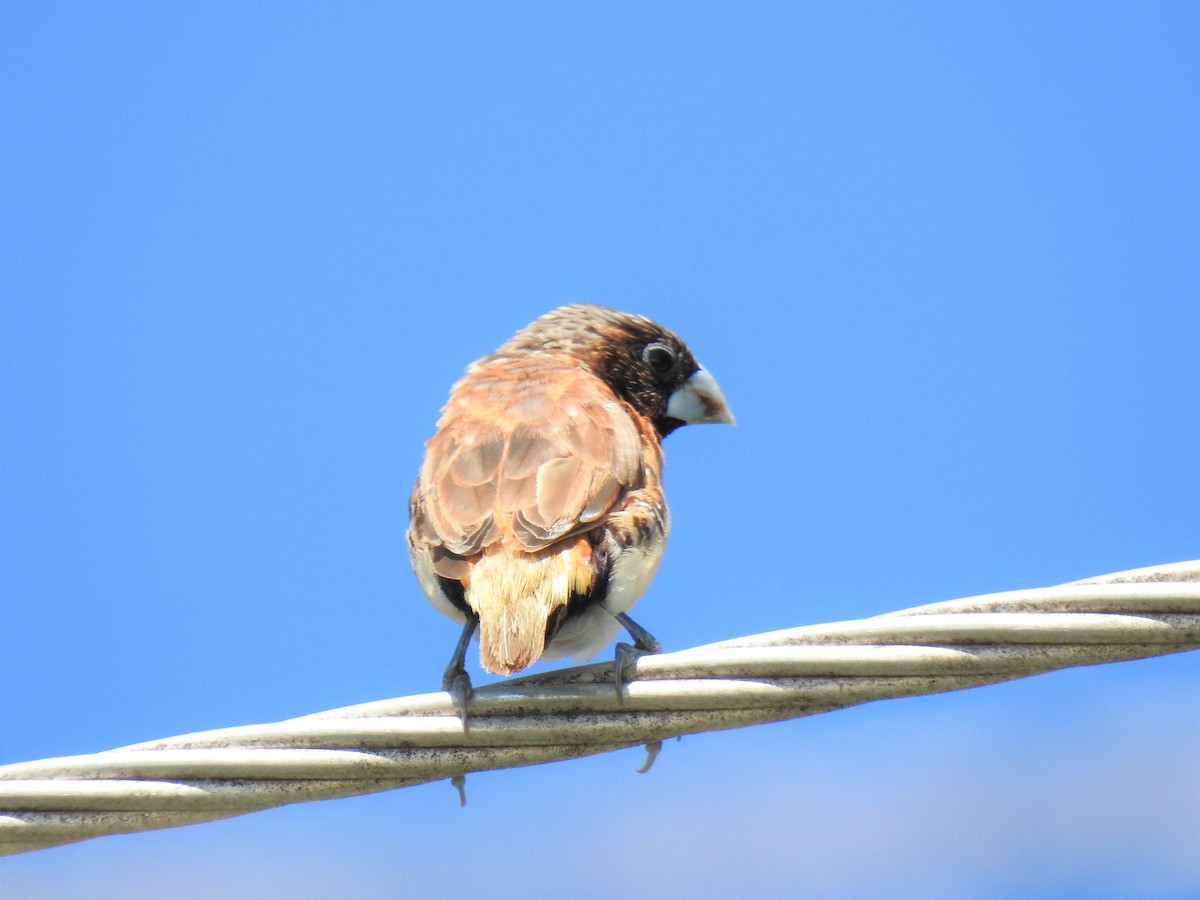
515 596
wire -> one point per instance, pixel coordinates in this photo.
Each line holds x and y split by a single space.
576 712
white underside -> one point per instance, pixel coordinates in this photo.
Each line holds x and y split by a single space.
583 635
431 588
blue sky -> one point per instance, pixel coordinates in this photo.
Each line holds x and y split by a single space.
942 257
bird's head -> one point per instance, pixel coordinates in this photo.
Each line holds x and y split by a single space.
646 365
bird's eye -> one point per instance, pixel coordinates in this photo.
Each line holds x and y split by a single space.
659 357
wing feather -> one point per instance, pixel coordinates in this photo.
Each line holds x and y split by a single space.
528 451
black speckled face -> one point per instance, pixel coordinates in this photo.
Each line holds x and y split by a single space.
644 366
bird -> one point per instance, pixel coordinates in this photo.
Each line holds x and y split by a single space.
538 516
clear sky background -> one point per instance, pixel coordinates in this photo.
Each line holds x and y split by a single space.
944 259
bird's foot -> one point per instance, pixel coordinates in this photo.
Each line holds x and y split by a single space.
625 662
652 750
459 783
626 656
457 683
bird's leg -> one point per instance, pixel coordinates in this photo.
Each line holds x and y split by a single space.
455 681
643 642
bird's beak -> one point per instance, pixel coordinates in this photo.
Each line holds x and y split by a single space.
699 399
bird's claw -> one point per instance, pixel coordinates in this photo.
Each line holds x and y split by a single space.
459 783
625 662
627 654
458 685
652 750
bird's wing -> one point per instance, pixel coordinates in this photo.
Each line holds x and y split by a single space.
527 452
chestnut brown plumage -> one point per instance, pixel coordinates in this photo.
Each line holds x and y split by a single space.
538 514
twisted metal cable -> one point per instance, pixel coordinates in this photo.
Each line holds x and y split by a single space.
576 712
